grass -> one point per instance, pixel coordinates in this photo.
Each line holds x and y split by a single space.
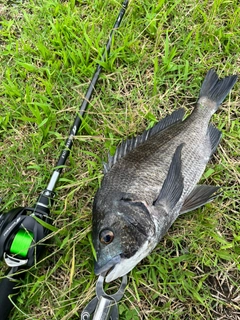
49 51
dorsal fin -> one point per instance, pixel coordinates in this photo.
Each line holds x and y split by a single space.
130 144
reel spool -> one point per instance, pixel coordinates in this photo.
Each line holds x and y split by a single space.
20 235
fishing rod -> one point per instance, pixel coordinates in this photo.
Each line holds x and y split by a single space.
23 230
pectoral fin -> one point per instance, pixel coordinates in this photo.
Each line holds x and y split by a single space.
173 185
200 195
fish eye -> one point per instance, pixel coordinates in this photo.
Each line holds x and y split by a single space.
106 236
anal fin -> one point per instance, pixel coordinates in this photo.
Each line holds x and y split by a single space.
200 195
214 136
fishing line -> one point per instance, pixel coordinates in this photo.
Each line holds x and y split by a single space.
21 243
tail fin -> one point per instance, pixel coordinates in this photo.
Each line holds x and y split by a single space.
215 89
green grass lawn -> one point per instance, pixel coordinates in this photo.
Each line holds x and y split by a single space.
48 52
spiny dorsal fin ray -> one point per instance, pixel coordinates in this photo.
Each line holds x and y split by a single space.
130 144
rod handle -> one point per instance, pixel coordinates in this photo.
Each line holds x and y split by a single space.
8 287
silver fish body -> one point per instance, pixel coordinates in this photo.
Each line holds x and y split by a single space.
152 179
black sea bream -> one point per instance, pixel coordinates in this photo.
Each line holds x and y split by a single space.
152 179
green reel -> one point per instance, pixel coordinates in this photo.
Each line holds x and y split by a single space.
21 243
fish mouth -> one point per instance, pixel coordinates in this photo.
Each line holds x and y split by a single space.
108 267
113 269
117 271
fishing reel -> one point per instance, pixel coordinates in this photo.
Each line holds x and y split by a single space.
21 234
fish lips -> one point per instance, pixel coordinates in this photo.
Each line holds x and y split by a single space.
103 270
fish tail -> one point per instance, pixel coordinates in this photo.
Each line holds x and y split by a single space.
215 90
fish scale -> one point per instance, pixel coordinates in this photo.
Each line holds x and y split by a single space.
152 179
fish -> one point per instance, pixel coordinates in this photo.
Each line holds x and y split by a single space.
152 179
